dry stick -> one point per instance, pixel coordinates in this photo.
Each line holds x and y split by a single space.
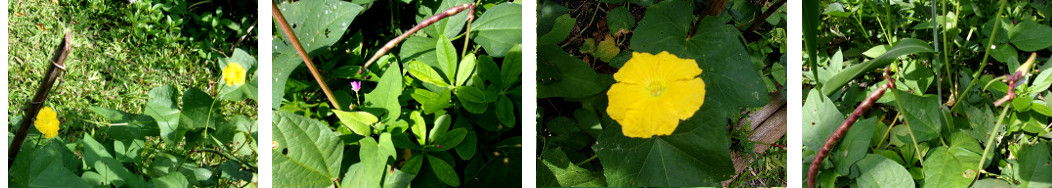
449 12
770 10
303 54
58 66
840 132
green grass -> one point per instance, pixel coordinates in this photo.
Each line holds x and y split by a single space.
112 64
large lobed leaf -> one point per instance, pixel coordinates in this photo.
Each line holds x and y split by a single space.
729 73
308 153
555 170
696 154
317 24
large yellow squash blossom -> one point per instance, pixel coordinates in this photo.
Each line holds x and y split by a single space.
654 92
234 74
47 122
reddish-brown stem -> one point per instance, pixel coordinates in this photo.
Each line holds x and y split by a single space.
394 42
816 165
763 17
284 25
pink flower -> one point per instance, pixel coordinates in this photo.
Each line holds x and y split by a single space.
356 85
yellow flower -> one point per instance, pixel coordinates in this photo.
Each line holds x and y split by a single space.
654 92
47 122
234 74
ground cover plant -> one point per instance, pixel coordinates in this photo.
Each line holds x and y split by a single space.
643 93
927 93
440 110
149 95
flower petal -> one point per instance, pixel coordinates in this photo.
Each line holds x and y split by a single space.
622 97
688 96
649 119
637 70
673 68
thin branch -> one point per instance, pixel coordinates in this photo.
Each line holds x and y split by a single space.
284 25
770 10
58 66
812 174
394 42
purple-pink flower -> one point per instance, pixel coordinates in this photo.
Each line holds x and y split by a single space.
356 85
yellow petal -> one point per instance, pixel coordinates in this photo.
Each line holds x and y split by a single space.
673 68
622 97
637 70
648 120
688 96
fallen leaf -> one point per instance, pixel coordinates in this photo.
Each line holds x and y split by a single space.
40 26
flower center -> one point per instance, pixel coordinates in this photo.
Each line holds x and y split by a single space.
655 88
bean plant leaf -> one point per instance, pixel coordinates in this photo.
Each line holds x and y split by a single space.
450 139
560 30
903 47
199 110
170 180
696 154
450 26
471 94
444 171
132 126
727 69
360 122
511 67
57 176
853 146
465 70
1031 36
499 28
447 57
317 24
922 114
308 153
425 73
506 111
1033 167
943 168
385 96
821 118
879 171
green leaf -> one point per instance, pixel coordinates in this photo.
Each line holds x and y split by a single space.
1031 36
511 67
444 171
821 118
57 176
620 21
112 172
374 157
903 47
471 94
162 107
432 102
922 114
360 122
567 76
717 47
465 69
385 96
944 169
419 127
93 150
447 57
696 154
1032 166
506 111
555 170
425 73
441 126
308 153
499 28
878 171
199 110
397 178
450 140
126 126
560 30
992 183
467 148
311 20
170 180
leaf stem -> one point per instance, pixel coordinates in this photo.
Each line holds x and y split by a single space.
586 160
284 25
990 140
986 55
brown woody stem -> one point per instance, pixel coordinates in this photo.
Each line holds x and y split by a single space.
58 66
284 25
394 42
812 173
